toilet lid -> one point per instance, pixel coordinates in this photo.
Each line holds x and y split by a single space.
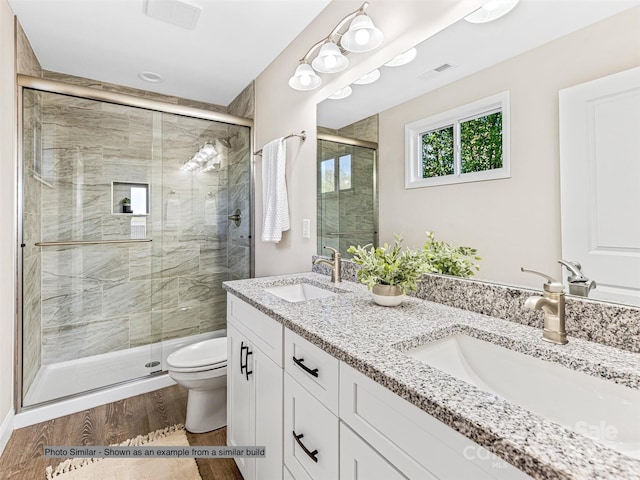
208 352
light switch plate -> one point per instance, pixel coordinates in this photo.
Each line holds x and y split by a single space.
306 228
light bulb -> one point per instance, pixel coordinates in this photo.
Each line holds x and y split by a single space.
330 61
362 36
305 80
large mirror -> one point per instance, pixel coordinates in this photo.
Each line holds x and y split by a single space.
538 50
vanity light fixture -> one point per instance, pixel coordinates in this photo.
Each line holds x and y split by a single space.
330 59
342 93
361 36
491 11
403 58
368 78
305 78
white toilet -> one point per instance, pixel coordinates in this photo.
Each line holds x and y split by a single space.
202 368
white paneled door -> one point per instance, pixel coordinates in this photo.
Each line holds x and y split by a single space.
600 182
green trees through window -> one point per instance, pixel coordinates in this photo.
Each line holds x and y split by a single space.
480 147
481 143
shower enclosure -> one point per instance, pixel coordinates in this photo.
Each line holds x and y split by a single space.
346 193
124 249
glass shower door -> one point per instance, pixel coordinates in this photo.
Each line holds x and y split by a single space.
346 196
86 301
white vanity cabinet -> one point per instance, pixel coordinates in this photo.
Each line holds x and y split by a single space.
311 425
321 419
254 388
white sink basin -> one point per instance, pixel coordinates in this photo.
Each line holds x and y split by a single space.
299 292
607 412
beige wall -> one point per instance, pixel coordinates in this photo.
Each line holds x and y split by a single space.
512 222
281 110
8 210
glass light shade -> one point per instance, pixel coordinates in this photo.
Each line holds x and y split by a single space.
368 78
305 78
362 35
330 59
491 10
342 93
403 58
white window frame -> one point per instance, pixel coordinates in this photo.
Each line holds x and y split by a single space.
413 143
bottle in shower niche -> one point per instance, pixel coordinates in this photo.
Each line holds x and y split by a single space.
126 205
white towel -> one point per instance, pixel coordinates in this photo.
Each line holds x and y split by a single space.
275 205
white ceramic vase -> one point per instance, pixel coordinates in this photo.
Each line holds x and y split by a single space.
387 295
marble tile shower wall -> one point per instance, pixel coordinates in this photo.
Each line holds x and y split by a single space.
239 240
31 256
101 298
27 64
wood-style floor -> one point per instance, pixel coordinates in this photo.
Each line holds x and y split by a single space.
109 424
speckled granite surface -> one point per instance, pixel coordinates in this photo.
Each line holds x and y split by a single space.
607 323
372 339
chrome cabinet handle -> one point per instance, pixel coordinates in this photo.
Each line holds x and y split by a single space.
299 362
312 455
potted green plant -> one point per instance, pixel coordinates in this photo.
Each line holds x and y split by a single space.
126 205
388 271
445 259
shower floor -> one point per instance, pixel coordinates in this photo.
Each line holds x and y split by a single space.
59 380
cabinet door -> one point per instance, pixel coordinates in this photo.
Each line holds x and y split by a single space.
358 461
240 399
268 415
310 435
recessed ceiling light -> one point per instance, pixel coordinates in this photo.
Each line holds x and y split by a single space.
150 77
491 10
342 93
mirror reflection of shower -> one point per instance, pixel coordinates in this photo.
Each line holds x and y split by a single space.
347 188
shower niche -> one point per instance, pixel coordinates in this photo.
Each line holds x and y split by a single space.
129 198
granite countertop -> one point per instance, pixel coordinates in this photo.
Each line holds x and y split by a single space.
372 339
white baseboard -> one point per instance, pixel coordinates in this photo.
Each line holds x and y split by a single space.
6 429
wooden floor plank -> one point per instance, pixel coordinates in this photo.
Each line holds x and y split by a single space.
109 424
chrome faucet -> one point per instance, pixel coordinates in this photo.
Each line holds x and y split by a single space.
578 283
334 263
552 304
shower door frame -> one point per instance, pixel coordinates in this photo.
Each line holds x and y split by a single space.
328 137
52 86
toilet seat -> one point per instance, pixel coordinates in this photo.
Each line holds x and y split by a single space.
206 355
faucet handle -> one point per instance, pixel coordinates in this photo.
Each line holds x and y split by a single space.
575 269
335 254
551 285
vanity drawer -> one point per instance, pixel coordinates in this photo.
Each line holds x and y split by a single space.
412 440
264 331
314 454
313 368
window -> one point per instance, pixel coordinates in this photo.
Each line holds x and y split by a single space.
327 176
330 176
466 144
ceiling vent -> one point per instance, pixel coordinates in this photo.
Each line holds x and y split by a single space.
432 73
176 12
